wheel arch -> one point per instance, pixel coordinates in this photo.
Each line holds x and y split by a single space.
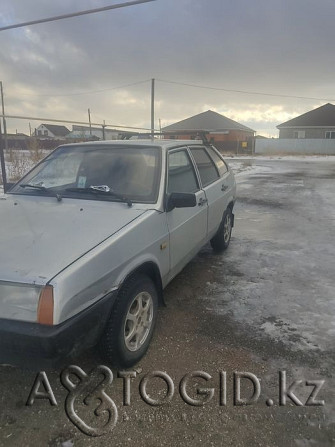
150 269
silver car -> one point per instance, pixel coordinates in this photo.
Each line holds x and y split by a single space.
91 236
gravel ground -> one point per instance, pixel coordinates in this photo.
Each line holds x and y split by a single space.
265 305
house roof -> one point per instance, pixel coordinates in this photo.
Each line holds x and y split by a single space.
207 122
58 131
323 116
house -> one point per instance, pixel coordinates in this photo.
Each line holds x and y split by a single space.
94 133
17 141
51 131
219 130
318 123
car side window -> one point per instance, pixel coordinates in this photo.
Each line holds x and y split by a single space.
181 176
207 169
220 164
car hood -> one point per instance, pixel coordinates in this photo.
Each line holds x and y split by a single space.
40 236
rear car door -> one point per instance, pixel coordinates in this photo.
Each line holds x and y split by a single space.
187 226
214 177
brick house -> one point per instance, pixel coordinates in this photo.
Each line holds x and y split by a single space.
318 123
224 133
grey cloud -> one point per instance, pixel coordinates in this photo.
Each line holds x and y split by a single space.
281 47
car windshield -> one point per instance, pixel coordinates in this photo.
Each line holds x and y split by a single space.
77 171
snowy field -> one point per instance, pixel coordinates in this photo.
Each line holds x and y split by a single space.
284 245
19 162
282 157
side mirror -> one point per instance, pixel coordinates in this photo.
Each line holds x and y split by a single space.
180 200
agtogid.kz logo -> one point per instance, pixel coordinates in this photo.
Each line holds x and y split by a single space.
82 388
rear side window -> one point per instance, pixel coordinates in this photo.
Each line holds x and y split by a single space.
207 170
182 176
220 164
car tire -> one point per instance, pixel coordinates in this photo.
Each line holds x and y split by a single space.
221 240
130 327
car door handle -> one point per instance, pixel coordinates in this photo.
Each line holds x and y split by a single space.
224 187
202 201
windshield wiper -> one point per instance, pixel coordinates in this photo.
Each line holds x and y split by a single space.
40 188
102 189
31 185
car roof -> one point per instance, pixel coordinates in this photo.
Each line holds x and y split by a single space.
165 144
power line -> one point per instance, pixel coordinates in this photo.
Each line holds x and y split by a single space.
75 14
88 92
243 91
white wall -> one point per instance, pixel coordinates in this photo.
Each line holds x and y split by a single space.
42 128
294 146
109 134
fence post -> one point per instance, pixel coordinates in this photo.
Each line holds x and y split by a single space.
3 115
2 160
103 130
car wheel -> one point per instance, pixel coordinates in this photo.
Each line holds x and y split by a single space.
222 238
131 325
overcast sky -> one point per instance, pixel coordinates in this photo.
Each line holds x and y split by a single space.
282 47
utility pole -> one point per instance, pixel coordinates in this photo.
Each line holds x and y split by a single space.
253 148
103 130
2 160
152 108
3 118
89 120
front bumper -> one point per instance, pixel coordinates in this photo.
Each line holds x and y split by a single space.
37 346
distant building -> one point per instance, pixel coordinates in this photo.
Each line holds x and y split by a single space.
17 140
219 130
17 136
46 131
95 133
318 123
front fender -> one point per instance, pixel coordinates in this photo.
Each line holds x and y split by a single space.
103 269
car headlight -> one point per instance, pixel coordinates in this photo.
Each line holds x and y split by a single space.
26 302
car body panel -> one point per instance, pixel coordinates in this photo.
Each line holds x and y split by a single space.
219 195
188 231
105 267
40 236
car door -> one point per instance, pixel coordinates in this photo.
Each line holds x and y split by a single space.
214 178
187 226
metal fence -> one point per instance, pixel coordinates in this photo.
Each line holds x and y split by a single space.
12 142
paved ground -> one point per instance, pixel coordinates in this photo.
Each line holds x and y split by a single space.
264 306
